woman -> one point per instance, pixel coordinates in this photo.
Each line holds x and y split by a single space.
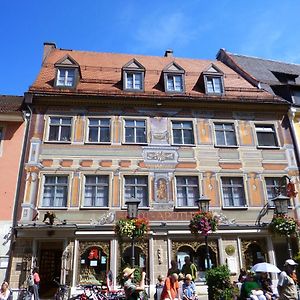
5 291
251 288
189 288
266 285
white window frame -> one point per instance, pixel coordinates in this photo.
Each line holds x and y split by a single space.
66 77
47 129
42 185
211 78
2 133
243 178
279 176
99 134
176 192
109 189
235 129
124 175
134 74
193 129
275 133
173 77
124 130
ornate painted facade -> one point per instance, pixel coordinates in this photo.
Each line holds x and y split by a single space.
107 127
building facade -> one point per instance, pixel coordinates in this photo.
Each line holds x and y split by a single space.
12 132
107 127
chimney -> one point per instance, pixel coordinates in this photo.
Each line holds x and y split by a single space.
48 47
169 53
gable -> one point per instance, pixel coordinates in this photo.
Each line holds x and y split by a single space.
173 67
67 61
133 65
213 69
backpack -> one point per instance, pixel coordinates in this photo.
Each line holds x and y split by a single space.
30 281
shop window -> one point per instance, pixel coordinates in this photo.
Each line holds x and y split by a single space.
93 266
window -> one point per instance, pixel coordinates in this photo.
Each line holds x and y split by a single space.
55 191
174 83
135 131
96 191
272 185
99 130
60 129
187 191
134 81
65 77
266 135
214 85
1 134
233 192
296 97
183 133
137 187
225 134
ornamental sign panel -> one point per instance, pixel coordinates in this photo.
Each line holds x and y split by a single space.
160 156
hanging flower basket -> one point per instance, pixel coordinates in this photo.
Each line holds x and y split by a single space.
283 225
203 222
132 228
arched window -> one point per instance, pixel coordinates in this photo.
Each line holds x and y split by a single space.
254 254
93 266
139 255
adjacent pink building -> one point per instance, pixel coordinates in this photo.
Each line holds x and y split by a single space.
12 131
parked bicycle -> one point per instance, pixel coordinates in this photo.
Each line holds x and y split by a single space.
62 291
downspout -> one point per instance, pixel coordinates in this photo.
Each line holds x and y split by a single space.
27 115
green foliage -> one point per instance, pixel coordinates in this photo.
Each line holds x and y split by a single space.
131 228
219 285
283 225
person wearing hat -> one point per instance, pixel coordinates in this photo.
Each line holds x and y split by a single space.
287 287
132 291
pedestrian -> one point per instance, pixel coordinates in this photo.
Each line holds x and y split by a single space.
266 285
34 283
189 268
5 292
251 288
133 291
159 287
171 288
174 268
287 286
189 288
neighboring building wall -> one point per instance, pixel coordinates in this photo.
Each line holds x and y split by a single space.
10 155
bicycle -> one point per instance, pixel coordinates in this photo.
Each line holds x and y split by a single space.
62 291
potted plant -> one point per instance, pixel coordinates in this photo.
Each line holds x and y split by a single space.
203 222
131 228
283 225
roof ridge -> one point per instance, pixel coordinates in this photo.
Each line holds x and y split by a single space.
135 54
265 59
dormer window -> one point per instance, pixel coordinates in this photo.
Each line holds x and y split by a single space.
133 81
174 78
65 77
174 83
213 81
133 76
67 73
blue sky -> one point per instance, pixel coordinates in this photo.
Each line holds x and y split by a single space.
192 28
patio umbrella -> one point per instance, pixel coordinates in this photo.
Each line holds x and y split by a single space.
265 267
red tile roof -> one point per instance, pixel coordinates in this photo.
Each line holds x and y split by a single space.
102 74
10 103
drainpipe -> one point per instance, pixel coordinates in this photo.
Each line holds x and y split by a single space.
27 115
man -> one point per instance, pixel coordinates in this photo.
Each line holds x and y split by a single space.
171 288
287 287
189 268
132 291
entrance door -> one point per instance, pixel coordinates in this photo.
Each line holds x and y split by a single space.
49 268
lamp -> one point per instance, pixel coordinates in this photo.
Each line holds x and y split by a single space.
132 212
203 203
132 207
281 203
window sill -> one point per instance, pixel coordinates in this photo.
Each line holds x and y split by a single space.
194 208
52 208
57 142
227 146
268 147
135 144
235 207
97 143
184 145
139 208
94 208
133 90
